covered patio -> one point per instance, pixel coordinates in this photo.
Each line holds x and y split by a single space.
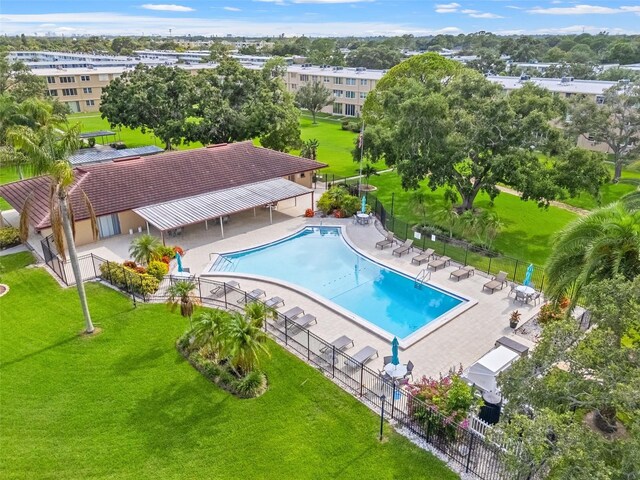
170 218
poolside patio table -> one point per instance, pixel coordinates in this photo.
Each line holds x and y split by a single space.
363 218
395 371
526 290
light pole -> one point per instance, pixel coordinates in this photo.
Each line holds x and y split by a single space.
383 398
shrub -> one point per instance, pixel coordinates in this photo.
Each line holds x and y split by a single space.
179 250
122 277
338 199
252 384
157 269
9 237
309 213
92 142
552 312
426 229
130 264
350 205
164 251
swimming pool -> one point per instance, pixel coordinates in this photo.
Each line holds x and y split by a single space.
320 260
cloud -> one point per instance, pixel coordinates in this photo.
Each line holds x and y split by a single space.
231 9
164 7
570 30
583 10
485 15
330 1
447 7
514 7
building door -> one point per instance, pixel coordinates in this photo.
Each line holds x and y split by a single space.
109 225
74 106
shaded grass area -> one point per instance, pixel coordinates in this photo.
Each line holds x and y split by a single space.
124 404
527 230
15 261
610 192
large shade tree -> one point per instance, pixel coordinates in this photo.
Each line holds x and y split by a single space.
438 121
616 122
160 99
313 97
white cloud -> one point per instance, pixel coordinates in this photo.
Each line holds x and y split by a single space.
583 10
570 30
447 7
514 7
231 9
109 23
470 11
485 15
330 1
164 7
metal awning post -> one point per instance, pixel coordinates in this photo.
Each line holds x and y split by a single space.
254 211
221 227
295 201
162 236
148 229
206 224
271 214
312 202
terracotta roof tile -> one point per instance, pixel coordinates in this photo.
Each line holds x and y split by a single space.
137 182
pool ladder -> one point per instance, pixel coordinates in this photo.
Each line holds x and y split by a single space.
422 277
220 265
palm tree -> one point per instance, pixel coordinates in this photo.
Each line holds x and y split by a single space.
310 149
599 246
208 332
181 294
143 248
245 341
367 171
48 150
446 215
256 312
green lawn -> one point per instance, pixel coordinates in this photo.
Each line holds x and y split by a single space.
527 229
610 192
125 404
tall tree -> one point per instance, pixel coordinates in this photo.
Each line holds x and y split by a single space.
182 295
159 99
379 57
48 150
454 128
601 245
314 97
616 122
17 80
594 373
235 103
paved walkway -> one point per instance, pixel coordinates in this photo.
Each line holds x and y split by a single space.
579 211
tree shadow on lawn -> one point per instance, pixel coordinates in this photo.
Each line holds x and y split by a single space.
128 364
177 415
38 352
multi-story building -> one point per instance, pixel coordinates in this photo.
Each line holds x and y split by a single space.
349 86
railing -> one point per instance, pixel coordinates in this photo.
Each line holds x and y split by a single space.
422 276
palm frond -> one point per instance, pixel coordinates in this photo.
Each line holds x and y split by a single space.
92 215
55 216
24 218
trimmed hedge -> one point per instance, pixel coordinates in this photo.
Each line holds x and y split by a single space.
123 277
9 237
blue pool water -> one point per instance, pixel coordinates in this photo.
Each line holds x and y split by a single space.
318 258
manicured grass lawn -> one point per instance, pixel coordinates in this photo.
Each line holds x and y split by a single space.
126 405
91 122
527 229
610 192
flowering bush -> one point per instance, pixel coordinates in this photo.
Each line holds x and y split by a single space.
166 259
338 214
178 250
551 312
130 264
309 213
119 275
163 251
449 400
157 269
140 269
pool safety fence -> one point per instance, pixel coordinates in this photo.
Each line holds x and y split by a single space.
473 451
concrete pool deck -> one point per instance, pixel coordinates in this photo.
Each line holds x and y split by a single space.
461 340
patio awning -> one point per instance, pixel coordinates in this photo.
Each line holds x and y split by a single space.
197 209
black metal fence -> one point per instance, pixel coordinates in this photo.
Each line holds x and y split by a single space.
461 445
460 251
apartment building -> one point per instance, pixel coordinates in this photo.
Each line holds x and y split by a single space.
349 86
81 88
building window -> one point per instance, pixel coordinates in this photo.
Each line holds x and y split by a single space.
337 81
363 95
108 225
327 80
304 78
337 93
294 86
51 79
69 92
67 80
85 78
294 75
103 77
350 110
314 78
349 94
600 99
351 81
91 103
363 81
337 108
87 90
53 93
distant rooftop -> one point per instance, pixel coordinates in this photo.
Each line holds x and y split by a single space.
97 133
588 87
93 155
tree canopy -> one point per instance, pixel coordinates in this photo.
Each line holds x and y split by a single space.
313 96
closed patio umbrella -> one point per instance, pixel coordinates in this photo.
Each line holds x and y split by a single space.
527 277
394 351
364 204
179 261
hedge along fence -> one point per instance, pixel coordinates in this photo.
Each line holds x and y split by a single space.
460 251
125 278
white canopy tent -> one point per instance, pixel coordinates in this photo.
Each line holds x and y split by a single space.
221 203
483 373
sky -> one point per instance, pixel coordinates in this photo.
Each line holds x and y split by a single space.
317 17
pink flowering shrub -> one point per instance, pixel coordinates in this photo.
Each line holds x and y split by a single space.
447 399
